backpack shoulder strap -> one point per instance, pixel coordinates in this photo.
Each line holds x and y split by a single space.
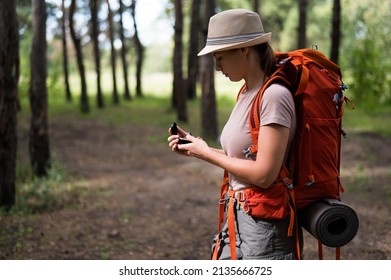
254 117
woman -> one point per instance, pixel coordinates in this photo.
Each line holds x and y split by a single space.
241 49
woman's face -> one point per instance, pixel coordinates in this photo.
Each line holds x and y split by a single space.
231 63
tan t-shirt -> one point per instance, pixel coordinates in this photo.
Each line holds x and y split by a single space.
277 107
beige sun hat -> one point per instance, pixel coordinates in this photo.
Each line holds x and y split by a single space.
232 29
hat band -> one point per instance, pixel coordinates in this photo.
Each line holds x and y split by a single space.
233 38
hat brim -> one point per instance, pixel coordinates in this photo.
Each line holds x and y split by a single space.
253 42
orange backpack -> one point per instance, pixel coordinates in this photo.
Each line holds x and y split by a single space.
313 172
317 88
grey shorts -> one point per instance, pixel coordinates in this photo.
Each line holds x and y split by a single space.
258 239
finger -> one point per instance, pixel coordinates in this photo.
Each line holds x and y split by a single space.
190 137
173 144
181 132
172 138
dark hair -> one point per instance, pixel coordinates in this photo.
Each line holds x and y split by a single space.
266 58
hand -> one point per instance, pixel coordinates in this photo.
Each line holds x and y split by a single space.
196 148
173 142
173 139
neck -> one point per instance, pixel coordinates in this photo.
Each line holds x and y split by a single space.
257 82
255 77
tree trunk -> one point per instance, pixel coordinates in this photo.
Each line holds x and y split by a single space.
336 31
39 135
127 95
178 87
113 53
139 52
208 102
192 68
302 36
94 7
9 75
256 6
85 108
68 94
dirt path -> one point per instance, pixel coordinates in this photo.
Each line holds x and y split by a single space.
140 201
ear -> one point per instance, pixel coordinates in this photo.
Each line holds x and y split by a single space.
244 51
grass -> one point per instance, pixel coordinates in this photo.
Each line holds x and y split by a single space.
41 194
369 118
359 182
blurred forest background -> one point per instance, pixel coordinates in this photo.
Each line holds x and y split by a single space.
135 62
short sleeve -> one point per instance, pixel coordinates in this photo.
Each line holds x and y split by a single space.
277 106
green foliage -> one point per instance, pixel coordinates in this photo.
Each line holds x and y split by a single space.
229 4
370 73
25 17
55 79
24 65
368 52
43 194
365 43
287 41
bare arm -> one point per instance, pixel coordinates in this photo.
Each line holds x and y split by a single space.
262 172
221 151
183 134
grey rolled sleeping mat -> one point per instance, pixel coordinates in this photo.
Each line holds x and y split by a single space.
330 221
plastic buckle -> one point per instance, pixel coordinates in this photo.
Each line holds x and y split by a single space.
309 183
240 196
285 60
223 201
288 183
246 208
247 152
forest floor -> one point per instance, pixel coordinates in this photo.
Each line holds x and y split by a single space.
138 200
